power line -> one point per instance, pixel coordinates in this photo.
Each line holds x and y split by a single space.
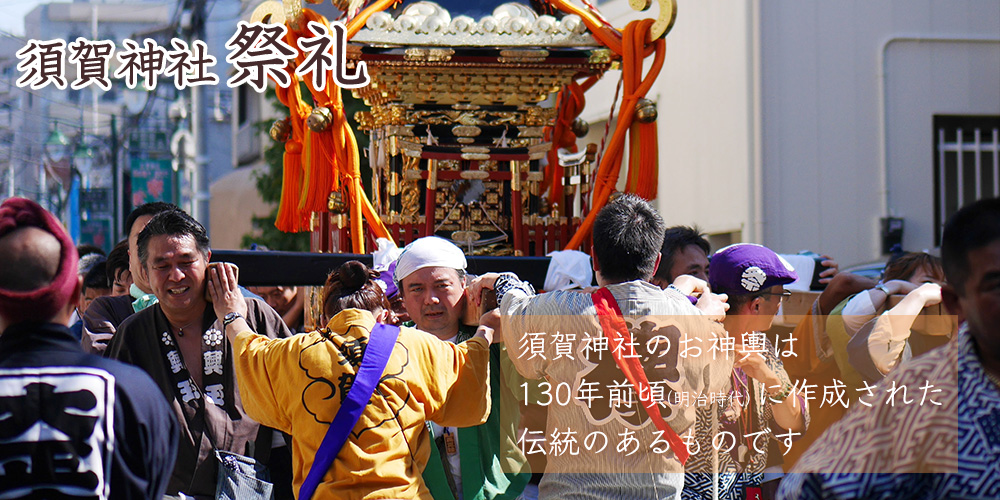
7 34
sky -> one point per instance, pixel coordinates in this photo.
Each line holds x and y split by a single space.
12 19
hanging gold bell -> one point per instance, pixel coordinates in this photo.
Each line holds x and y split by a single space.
645 111
580 127
319 120
280 130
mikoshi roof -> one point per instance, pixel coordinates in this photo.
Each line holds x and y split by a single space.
509 24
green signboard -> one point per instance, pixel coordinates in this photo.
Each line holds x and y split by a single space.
96 202
152 180
97 231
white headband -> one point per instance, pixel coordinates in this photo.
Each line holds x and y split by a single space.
430 251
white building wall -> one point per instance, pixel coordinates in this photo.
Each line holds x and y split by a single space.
927 77
822 155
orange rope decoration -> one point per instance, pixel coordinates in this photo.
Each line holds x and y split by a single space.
641 178
570 103
332 159
289 218
635 43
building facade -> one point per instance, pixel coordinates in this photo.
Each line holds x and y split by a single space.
169 144
807 125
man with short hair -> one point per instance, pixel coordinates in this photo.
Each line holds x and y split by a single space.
684 251
118 273
430 275
95 285
179 342
86 262
940 440
481 462
561 338
287 302
72 424
106 314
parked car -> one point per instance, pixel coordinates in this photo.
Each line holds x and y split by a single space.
871 270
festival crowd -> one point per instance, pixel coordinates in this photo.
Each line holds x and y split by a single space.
648 368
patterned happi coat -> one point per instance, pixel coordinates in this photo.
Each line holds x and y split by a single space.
913 450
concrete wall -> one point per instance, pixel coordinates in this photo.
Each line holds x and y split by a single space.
234 201
822 114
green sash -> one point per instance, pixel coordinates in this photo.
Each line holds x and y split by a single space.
471 446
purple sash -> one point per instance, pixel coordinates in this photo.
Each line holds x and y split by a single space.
377 352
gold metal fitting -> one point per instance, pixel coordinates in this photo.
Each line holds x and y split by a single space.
336 203
281 130
645 111
394 186
270 12
320 119
580 127
466 237
600 56
432 175
466 131
515 175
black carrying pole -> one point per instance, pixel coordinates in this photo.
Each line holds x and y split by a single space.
311 269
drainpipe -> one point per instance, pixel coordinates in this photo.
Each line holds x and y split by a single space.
756 153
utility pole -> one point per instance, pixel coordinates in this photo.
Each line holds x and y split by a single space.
116 184
197 117
200 187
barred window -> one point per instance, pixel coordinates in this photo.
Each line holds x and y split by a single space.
966 164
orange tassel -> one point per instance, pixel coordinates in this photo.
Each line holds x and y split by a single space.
307 166
331 161
289 217
320 174
291 186
642 171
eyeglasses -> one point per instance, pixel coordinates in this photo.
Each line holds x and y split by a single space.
783 295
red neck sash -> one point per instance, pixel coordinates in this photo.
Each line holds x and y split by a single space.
617 333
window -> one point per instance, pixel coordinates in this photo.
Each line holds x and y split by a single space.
966 168
242 105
